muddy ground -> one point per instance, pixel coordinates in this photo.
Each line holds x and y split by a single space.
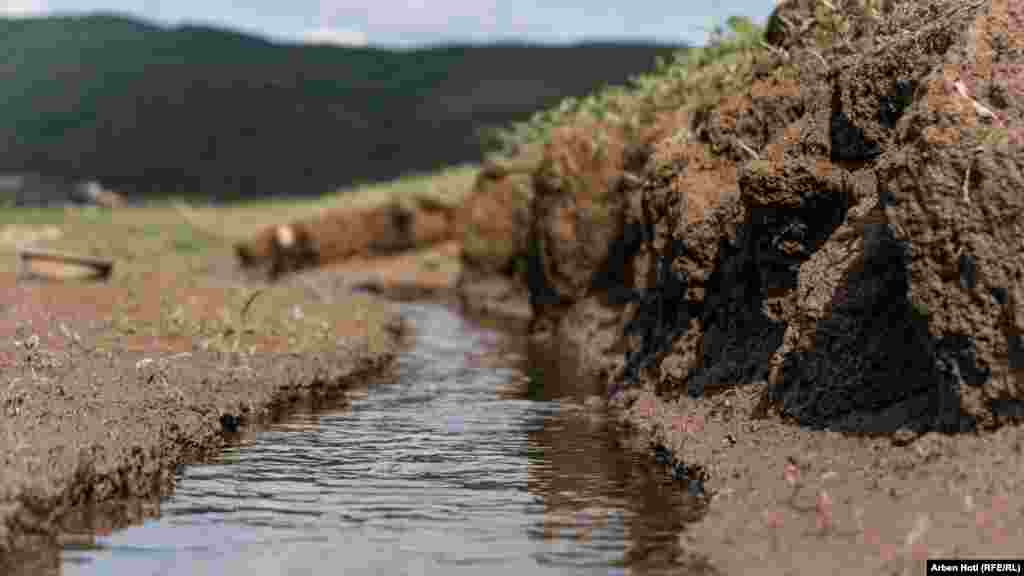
106 388
783 499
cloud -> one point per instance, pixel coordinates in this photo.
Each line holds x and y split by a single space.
22 7
391 17
335 36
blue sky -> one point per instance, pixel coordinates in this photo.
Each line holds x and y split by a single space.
414 22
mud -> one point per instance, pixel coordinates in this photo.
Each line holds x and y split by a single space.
823 266
96 422
789 500
427 274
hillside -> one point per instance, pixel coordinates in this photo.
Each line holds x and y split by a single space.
196 110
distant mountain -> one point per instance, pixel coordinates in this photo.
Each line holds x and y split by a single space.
198 110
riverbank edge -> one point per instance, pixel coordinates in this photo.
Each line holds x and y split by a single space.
111 491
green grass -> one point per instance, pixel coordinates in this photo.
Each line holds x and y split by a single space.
161 289
240 220
31 216
691 78
694 78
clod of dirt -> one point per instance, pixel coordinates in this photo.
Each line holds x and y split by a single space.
493 224
574 209
337 235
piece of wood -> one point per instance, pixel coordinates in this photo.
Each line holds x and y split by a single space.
63 265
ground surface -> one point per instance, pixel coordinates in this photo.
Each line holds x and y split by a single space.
856 505
107 387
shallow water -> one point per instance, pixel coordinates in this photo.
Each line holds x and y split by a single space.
477 454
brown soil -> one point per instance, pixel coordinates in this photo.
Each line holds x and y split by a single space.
826 267
427 273
493 225
341 234
107 387
859 505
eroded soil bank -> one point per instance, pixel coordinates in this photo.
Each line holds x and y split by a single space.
108 388
475 453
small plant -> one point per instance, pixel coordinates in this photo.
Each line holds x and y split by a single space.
791 474
647 407
432 263
832 24
823 513
994 136
520 265
601 213
187 245
37 358
920 309
774 520
156 372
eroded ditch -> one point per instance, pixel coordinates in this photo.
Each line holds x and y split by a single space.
479 451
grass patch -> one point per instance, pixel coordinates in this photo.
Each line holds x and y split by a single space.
237 221
692 78
162 288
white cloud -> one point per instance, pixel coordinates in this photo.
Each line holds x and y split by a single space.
418 16
335 36
22 7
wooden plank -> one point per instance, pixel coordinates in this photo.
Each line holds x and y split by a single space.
63 265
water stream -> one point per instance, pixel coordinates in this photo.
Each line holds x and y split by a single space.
477 454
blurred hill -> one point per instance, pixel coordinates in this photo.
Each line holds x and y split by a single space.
191 110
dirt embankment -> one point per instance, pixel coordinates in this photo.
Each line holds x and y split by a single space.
493 226
107 388
837 243
342 234
471 248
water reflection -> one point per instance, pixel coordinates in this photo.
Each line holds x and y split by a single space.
599 491
477 454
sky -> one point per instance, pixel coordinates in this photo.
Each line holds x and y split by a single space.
410 23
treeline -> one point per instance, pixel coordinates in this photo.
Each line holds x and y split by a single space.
201 111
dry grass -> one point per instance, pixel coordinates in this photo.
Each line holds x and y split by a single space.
177 285
236 222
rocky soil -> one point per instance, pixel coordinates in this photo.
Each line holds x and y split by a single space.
810 290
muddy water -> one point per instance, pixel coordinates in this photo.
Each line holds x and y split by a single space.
475 455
